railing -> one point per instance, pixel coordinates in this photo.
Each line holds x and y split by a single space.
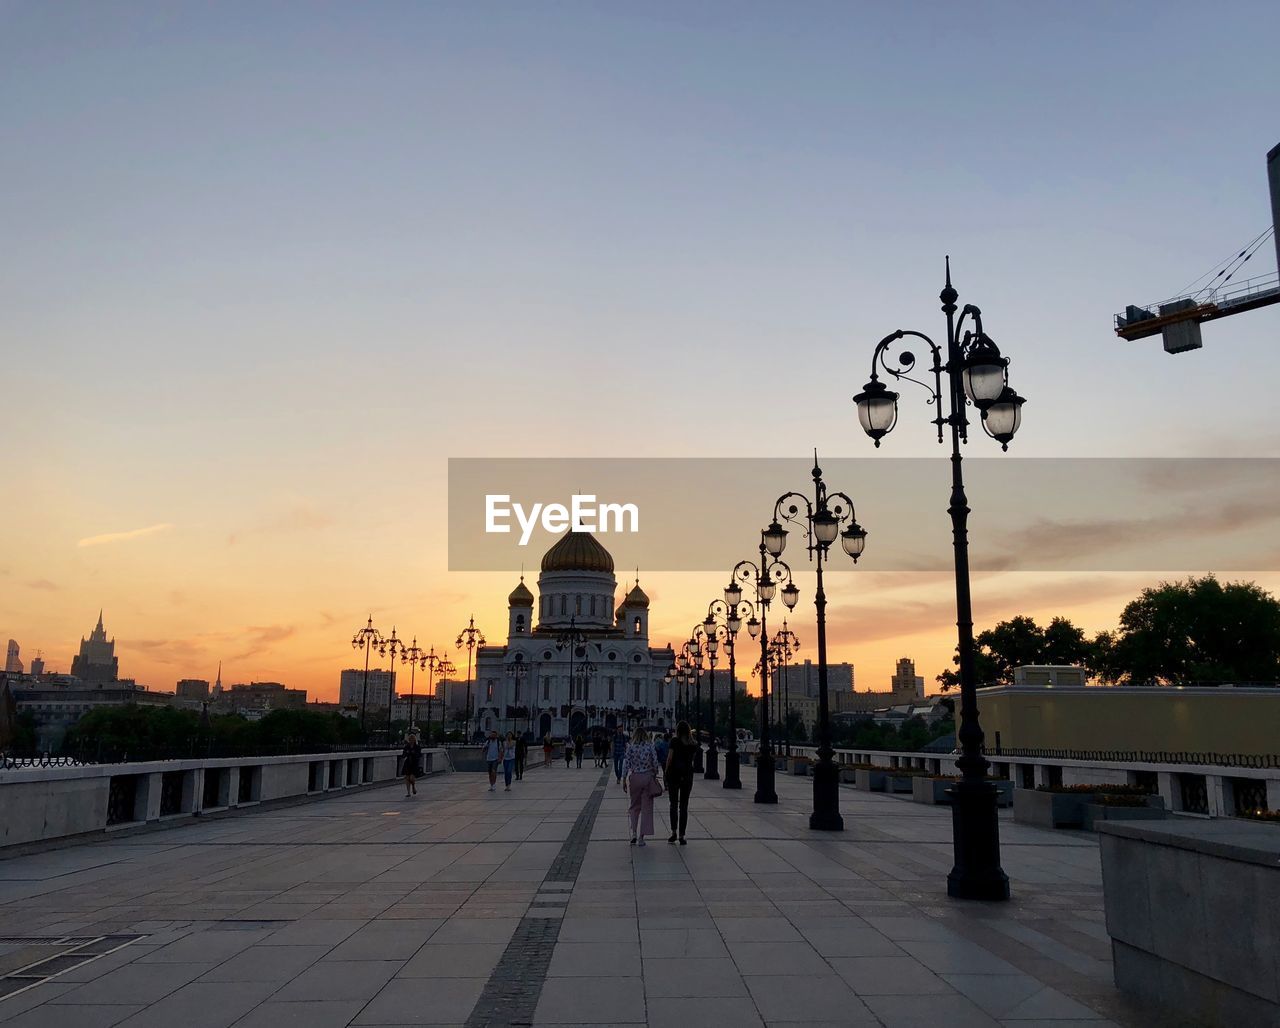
1247 760
194 749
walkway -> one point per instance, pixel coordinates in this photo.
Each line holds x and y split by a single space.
467 907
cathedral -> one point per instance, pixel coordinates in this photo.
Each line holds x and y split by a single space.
573 662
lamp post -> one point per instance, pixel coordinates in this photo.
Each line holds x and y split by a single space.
706 631
470 637
976 374
517 671
392 645
575 641
368 637
763 577
693 655
785 644
444 666
826 516
416 657
727 619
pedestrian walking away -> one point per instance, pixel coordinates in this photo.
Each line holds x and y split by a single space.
568 751
579 747
522 755
411 764
508 760
492 756
548 748
619 751
641 767
662 746
679 776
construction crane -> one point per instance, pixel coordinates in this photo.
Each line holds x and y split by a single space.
1215 294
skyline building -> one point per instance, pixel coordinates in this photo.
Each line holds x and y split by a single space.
97 663
12 660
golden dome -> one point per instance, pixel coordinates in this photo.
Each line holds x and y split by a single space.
578 551
520 596
636 598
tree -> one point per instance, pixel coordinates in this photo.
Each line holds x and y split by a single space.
1017 642
1199 630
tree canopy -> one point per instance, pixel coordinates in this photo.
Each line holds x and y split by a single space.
1198 630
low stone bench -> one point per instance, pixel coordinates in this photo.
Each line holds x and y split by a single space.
1193 911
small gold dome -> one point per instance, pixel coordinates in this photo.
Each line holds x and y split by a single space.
520 596
636 598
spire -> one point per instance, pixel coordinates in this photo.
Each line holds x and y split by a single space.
99 619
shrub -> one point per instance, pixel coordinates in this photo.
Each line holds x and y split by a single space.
1273 816
1125 800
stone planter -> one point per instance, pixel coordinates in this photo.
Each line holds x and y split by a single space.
1094 813
1191 911
799 766
900 783
1049 809
849 776
869 779
934 790
930 790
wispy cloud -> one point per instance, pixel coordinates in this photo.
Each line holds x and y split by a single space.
120 537
303 517
44 585
263 637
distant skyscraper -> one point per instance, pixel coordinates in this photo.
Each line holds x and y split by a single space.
193 689
12 662
351 687
37 665
96 663
907 685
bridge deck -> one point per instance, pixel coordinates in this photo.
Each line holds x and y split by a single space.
469 907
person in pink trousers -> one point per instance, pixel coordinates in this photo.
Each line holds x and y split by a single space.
641 769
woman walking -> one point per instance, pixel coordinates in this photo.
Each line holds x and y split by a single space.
579 748
568 751
548 748
641 768
508 759
411 764
679 775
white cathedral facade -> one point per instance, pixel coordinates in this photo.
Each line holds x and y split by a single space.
573 661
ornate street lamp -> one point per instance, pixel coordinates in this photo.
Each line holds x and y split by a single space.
763 577
711 644
470 637
726 622
976 374
394 646
824 517
517 671
575 641
416 657
367 638
436 663
693 656
784 646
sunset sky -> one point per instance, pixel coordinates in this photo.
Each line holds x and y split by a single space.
267 266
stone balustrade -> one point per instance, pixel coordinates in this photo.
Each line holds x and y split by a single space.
41 804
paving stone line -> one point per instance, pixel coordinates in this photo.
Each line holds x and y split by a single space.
511 994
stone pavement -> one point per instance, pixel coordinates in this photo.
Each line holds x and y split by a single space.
467 907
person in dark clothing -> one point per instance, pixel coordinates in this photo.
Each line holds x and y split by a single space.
411 764
619 751
579 747
679 776
568 751
522 754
